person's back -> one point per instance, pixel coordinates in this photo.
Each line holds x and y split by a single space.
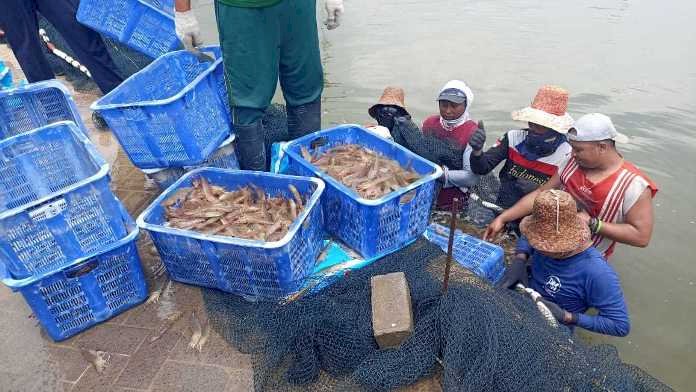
579 283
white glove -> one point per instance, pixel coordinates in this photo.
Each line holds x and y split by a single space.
445 176
334 10
187 29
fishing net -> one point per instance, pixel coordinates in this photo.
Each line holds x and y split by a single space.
406 133
481 207
475 338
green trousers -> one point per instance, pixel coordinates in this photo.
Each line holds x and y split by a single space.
261 45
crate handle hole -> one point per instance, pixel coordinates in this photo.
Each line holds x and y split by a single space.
81 269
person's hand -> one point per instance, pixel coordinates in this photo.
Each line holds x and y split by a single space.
515 273
478 139
187 29
334 10
494 228
558 313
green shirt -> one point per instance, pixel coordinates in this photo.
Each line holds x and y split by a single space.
250 3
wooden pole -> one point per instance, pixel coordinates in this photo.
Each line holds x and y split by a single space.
453 227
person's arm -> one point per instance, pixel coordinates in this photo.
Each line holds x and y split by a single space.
483 163
464 178
521 209
182 5
636 230
605 294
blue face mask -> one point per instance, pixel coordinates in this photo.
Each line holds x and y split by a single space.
544 144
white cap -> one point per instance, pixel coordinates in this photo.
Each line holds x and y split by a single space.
595 127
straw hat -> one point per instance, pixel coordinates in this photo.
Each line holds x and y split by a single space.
554 226
393 96
548 109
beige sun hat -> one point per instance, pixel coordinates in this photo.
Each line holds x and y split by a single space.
554 226
393 96
548 109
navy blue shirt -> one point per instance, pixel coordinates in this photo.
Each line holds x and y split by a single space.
578 283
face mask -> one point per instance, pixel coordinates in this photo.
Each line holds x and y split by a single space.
543 144
385 116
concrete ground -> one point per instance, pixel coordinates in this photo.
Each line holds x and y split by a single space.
31 361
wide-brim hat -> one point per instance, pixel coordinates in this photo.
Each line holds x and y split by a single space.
392 96
554 226
549 109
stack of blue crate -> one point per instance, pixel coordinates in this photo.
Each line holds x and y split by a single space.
66 242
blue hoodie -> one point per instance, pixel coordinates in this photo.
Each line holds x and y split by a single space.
578 283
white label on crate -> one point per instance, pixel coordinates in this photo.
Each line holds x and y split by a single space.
48 211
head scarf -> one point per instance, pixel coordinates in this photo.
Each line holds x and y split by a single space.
461 86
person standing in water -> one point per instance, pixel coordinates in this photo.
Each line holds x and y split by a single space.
263 41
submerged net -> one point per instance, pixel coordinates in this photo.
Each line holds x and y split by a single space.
476 338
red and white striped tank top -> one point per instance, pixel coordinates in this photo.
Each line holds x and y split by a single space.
610 199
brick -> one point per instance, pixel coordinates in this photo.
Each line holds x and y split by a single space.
392 316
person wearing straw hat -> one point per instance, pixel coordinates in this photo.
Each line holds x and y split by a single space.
532 155
614 195
264 41
443 139
566 270
390 106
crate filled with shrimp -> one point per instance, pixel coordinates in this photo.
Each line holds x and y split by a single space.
249 233
378 195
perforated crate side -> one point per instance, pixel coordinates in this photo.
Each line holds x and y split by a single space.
34 106
148 29
81 295
162 119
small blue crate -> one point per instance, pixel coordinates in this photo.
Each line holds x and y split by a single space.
55 201
224 157
370 227
254 269
480 257
35 105
145 25
173 113
87 291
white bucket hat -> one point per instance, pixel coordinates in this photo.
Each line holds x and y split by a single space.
595 127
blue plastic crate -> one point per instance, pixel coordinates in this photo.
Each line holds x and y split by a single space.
35 105
370 227
55 201
480 257
89 290
224 157
145 25
173 113
255 269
